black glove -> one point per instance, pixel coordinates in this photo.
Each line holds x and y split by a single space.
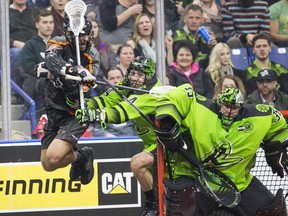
91 115
87 78
276 157
171 139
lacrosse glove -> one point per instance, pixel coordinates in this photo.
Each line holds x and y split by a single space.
276 157
170 139
91 115
87 78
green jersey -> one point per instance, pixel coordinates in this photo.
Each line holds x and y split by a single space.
118 110
233 151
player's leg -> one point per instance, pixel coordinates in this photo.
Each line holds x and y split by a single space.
183 198
254 197
58 155
141 165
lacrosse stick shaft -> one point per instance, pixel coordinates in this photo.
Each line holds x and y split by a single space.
160 175
189 157
123 87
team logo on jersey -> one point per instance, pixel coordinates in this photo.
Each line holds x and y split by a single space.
220 155
262 107
247 127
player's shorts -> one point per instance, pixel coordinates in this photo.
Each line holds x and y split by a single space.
61 125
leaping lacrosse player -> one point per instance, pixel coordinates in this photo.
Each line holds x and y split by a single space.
62 131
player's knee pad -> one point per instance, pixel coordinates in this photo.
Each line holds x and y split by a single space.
180 197
277 207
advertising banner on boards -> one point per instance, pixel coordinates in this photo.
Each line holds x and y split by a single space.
26 187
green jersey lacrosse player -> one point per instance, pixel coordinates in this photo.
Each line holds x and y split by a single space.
112 108
226 135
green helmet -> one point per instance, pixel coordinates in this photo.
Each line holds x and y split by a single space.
230 96
145 65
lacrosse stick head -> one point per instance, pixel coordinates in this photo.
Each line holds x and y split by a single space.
75 24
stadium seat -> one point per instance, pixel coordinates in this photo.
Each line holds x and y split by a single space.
279 55
239 58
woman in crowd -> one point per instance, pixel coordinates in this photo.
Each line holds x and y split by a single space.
106 51
125 54
220 65
184 69
229 81
142 40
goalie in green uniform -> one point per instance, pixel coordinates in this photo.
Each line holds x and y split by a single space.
111 108
226 135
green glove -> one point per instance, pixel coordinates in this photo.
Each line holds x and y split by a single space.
91 115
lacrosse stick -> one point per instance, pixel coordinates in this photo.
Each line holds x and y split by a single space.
157 91
213 182
75 10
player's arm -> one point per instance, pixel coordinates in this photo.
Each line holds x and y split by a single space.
275 151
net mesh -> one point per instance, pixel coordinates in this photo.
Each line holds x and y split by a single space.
264 173
75 10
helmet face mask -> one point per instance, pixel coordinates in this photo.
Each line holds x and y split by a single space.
85 35
139 66
230 101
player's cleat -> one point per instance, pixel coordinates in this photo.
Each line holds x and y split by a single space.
75 171
87 168
151 209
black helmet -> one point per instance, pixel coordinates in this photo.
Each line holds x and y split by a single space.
86 30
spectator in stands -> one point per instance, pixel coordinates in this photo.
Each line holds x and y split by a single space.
142 40
219 66
92 8
229 81
171 14
212 17
32 54
39 4
193 19
267 93
243 20
57 10
21 29
184 69
261 48
125 55
106 51
279 23
116 19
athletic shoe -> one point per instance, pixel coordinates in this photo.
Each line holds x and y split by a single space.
87 168
75 171
151 209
